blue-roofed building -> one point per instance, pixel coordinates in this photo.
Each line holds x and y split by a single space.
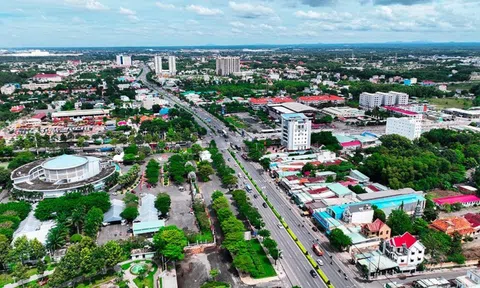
164 111
339 190
148 227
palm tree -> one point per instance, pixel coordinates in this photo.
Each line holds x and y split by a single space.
78 217
56 238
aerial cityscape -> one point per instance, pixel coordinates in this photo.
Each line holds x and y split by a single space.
217 144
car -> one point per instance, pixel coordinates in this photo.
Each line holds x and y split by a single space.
264 205
313 273
279 225
133 192
114 194
129 230
315 229
320 262
255 196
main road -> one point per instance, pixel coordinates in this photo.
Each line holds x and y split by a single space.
296 266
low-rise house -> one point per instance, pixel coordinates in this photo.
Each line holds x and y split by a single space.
465 200
405 250
471 280
376 229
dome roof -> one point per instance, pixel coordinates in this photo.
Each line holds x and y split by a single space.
64 162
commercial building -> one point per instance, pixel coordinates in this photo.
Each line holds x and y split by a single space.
78 115
172 65
322 99
56 176
377 99
276 110
405 250
296 131
465 200
410 128
343 112
157 61
43 78
260 103
7 89
227 65
471 280
402 112
470 114
124 60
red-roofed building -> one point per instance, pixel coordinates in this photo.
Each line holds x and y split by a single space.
316 100
376 229
474 220
352 145
405 250
43 78
452 225
465 200
257 103
17 109
40 116
402 112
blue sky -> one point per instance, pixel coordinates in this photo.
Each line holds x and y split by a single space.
55 23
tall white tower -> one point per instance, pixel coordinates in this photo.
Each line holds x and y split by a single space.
158 64
172 65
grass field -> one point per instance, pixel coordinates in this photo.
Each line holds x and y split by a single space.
267 266
462 86
148 281
235 121
442 103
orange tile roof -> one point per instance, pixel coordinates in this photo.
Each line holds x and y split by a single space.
453 224
375 226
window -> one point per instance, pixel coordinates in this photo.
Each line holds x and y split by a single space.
413 253
402 260
411 260
381 232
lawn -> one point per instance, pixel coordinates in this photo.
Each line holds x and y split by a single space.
203 237
265 262
127 265
462 86
235 121
5 279
148 281
97 280
442 103
4 164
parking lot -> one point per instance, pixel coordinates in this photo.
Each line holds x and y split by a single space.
182 215
112 232
254 124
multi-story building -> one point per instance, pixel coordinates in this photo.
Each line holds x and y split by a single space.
227 65
372 100
405 250
7 89
296 131
124 60
157 61
44 78
471 280
172 65
376 229
343 112
410 128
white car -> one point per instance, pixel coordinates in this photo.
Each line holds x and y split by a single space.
279 225
320 262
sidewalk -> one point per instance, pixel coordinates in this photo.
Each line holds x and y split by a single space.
32 278
169 279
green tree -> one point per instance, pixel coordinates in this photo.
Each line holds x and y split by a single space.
41 267
163 202
4 250
37 250
264 233
232 225
204 171
269 243
244 263
93 220
56 238
170 241
113 253
130 213
437 244
216 194
20 272
379 214
339 240
214 273
78 215
21 250
399 222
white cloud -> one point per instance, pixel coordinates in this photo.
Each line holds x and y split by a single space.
87 4
165 5
235 30
331 16
76 19
204 11
132 15
265 26
192 22
247 10
237 24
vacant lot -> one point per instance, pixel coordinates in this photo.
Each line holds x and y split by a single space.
442 103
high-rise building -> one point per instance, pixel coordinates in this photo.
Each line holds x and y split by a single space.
372 100
296 131
410 128
227 65
172 65
157 61
124 60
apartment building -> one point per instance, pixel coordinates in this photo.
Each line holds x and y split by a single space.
410 128
227 65
124 60
377 99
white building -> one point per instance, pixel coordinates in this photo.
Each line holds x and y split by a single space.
358 214
410 128
343 112
124 60
405 250
296 131
157 61
227 65
372 100
471 280
172 65
7 89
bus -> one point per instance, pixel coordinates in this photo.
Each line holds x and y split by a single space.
248 188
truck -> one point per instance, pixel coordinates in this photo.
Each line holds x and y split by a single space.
317 250
248 188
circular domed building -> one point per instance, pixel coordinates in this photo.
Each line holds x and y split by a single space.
66 173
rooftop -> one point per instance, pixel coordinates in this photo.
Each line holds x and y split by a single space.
453 224
294 116
375 226
473 218
147 227
399 110
65 162
320 98
456 199
406 239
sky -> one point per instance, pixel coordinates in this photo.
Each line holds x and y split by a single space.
101 23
